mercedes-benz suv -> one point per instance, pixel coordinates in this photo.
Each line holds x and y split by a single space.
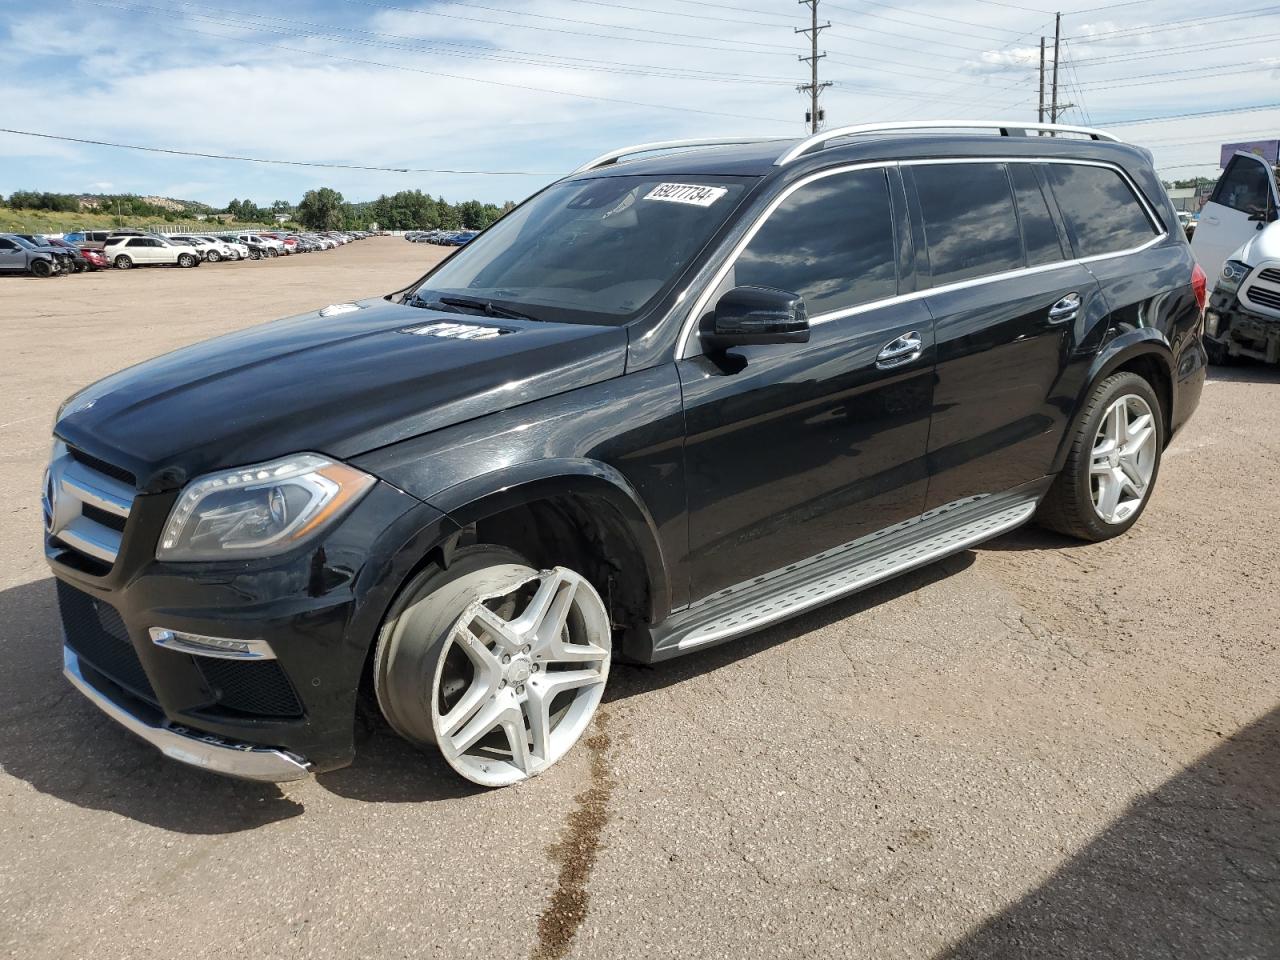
681 394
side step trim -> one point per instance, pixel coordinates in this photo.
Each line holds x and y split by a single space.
845 569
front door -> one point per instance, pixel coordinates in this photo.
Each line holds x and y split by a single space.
793 449
1243 202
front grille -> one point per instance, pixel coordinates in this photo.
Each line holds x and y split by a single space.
87 505
1263 296
95 631
256 687
1270 275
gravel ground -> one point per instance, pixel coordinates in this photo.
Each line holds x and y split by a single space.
1032 749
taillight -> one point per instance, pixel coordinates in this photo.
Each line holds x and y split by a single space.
1199 286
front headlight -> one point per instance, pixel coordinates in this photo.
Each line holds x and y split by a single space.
260 510
1233 273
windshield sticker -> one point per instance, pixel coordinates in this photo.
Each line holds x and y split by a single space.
686 193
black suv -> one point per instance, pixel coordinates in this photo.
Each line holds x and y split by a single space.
683 393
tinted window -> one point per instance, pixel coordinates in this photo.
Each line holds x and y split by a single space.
831 241
969 222
1039 234
1100 210
1244 186
7 244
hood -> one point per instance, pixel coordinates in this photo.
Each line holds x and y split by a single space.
1263 245
341 381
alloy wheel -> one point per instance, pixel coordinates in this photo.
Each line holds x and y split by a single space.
520 677
1124 458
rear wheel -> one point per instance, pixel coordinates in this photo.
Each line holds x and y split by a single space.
1113 462
41 268
497 664
123 262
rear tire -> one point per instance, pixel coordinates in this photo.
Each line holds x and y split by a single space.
1077 504
123 262
41 268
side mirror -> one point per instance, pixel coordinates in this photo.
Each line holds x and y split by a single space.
756 315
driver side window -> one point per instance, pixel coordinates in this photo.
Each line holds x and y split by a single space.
1244 187
831 241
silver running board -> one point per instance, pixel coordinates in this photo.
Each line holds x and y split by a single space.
845 569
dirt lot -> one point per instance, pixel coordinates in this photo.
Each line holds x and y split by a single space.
1032 749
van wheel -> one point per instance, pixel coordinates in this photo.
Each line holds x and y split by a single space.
213 256
186 260
497 664
41 268
1113 462
123 262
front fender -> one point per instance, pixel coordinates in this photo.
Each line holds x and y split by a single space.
491 493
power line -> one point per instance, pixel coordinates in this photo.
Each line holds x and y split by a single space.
287 163
1192 116
1162 26
928 16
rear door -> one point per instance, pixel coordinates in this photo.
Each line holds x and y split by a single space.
1243 202
12 256
1010 309
796 448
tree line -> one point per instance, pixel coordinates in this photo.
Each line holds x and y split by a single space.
321 209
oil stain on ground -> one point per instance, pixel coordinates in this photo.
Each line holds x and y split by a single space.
576 852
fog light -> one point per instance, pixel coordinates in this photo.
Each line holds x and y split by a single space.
1211 320
211 646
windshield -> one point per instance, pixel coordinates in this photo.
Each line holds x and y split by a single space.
23 241
589 251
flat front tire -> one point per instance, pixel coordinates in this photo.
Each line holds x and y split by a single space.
498 665
1112 464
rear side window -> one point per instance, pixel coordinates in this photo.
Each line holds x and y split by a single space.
7 244
969 222
831 241
1039 233
1100 209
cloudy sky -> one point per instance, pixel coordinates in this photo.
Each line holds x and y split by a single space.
535 87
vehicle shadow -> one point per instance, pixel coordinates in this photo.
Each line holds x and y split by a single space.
1246 370
629 680
59 743
1189 870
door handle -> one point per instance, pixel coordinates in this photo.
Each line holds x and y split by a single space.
1065 309
900 351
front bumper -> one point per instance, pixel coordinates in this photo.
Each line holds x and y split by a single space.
1240 332
203 750
319 610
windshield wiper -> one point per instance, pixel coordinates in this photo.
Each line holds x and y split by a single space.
487 307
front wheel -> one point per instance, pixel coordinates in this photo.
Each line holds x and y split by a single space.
497 664
123 262
272 252
42 268
213 256
1113 462
254 255
187 260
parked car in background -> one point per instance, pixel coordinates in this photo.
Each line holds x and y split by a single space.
96 258
18 255
238 249
666 402
210 250
126 252
1243 318
1244 200
80 262
64 256
273 247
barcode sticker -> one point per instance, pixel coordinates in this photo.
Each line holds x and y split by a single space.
690 193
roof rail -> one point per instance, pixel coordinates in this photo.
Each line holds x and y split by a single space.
1007 129
615 156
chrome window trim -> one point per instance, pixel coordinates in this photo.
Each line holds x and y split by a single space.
686 348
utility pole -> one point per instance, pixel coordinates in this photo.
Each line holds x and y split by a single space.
1057 39
1040 114
813 88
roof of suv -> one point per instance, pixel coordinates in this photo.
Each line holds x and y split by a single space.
760 158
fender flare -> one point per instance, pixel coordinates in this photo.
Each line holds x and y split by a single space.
500 490
1115 353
